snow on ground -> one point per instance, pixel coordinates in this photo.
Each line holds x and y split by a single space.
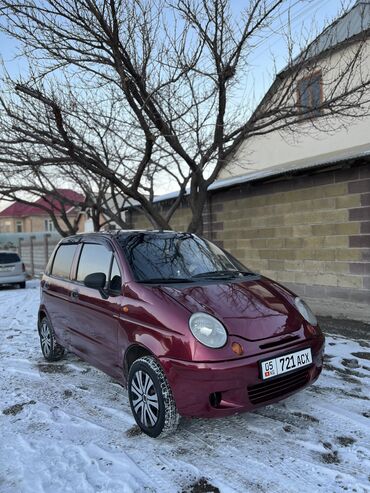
67 427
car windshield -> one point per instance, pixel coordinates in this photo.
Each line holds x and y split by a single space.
8 258
180 257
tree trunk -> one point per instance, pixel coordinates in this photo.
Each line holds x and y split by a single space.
198 199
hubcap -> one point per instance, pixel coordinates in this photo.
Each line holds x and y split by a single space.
45 337
144 398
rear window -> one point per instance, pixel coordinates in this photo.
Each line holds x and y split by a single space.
9 258
63 260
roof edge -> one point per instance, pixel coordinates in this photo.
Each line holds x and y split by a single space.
267 174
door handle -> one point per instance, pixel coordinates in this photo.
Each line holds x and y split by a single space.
74 294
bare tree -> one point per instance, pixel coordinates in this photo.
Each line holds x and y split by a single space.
95 197
54 204
127 90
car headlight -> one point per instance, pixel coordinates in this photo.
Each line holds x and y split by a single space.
208 330
305 311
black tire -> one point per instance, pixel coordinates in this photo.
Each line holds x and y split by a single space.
22 285
51 350
152 403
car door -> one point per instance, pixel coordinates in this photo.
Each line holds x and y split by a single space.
95 330
56 291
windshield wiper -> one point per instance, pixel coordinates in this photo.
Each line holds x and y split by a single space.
223 273
159 280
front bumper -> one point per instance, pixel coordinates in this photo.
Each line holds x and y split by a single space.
220 389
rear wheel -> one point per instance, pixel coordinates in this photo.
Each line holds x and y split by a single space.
151 399
51 350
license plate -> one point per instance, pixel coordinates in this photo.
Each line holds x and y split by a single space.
6 269
287 362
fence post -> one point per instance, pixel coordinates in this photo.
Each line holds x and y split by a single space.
32 256
20 247
46 248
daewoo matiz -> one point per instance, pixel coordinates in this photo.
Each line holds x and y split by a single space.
188 328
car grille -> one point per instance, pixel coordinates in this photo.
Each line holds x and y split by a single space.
278 387
281 342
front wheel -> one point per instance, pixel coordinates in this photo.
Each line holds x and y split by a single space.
51 350
151 399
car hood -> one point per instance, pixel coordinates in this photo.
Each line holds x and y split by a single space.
251 309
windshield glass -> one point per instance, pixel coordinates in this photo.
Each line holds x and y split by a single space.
181 256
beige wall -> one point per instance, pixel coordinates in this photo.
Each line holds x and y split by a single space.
322 139
7 225
33 224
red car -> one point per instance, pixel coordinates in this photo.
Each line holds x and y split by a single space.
188 328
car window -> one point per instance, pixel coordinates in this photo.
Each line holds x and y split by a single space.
170 256
93 258
63 260
9 258
115 282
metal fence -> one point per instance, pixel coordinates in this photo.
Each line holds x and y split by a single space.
33 248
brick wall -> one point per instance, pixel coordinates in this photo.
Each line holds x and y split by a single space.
180 219
311 233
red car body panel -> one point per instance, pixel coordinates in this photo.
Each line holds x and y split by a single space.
251 309
192 384
258 313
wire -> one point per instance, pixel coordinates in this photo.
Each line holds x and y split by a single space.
293 22
296 17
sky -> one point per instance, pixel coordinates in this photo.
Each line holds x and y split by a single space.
304 15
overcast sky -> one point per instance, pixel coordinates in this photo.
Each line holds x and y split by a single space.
304 15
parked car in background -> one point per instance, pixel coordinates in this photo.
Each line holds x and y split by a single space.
12 269
188 328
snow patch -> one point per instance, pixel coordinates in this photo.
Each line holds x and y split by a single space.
66 427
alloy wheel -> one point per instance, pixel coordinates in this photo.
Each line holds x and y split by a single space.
144 399
45 336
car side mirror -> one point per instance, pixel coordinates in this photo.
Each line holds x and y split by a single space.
96 280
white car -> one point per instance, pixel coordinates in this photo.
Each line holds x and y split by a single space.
12 269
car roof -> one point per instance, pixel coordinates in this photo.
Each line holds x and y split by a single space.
118 234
